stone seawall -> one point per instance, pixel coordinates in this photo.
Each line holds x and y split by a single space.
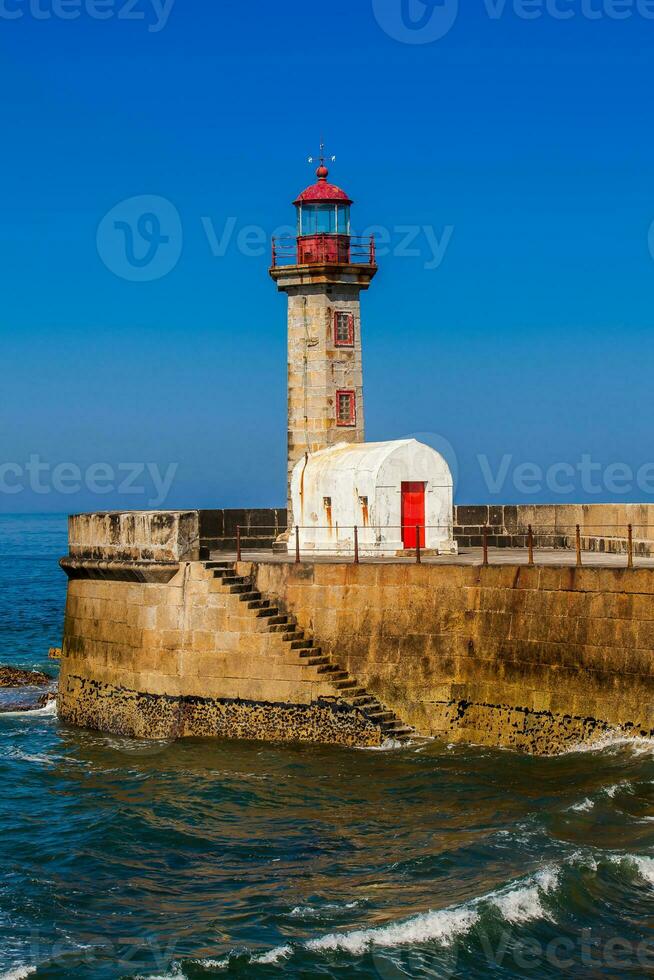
159 644
535 659
192 656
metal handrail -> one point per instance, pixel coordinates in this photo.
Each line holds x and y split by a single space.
581 537
361 250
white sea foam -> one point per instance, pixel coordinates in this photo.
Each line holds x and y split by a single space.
269 958
311 911
613 790
49 711
442 927
176 973
615 741
523 904
583 859
388 745
19 973
584 806
274 956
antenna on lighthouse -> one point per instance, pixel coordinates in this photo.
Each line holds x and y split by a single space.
321 158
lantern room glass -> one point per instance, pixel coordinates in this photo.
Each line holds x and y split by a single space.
323 219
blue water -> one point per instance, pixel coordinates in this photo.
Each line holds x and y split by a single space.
200 859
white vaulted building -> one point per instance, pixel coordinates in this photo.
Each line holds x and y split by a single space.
391 492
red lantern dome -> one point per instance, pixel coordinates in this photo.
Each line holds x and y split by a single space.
322 192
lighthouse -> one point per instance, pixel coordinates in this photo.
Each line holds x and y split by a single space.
323 271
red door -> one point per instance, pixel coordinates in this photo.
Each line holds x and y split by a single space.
413 513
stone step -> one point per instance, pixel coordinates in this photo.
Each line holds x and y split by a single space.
293 637
356 693
333 671
317 661
268 613
379 716
218 566
345 685
238 589
278 621
311 652
259 604
396 728
301 644
282 628
360 700
251 596
233 580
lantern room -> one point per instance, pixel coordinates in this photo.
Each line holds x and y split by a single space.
323 222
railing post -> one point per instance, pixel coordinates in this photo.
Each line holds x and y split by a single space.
485 534
418 552
373 250
579 562
356 545
630 547
297 545
238 542
530 543
274 253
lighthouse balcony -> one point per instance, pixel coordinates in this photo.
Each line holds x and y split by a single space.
324 249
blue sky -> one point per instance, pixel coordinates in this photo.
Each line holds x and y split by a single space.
523 145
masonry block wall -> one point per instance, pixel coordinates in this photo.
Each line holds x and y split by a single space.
186 657
318 369
603 526
535 659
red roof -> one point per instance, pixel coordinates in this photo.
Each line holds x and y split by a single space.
322 192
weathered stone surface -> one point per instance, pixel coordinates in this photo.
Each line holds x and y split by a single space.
97 705
118 676
531 659
317 367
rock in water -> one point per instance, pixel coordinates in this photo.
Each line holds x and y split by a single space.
16 677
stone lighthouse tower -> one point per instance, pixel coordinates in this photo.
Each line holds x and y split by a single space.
323 271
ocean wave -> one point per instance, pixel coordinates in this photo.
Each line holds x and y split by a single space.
442 927
644 865
19 973
523 904
519 902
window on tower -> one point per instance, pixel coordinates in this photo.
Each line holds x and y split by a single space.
346 411
344 329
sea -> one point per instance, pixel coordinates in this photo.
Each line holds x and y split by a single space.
198 858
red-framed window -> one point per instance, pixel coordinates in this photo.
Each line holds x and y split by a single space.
346 408
343 329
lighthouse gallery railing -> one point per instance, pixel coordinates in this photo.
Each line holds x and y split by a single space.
360 250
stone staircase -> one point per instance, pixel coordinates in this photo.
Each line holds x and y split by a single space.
308 654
